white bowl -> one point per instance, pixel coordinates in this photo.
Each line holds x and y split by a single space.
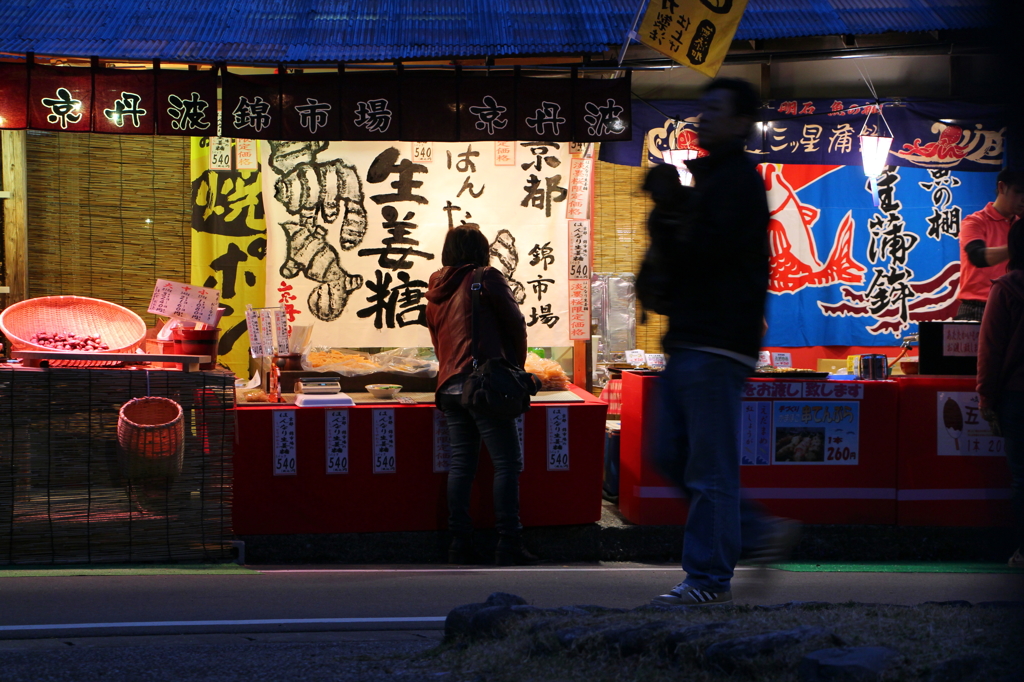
383 390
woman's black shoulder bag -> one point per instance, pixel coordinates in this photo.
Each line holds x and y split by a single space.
496 388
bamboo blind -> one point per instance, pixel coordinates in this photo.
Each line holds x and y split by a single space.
620 235
68 495
89 199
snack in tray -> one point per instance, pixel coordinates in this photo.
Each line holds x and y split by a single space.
342 361
69 341
254 395
552 376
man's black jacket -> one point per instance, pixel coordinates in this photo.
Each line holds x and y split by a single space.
722 254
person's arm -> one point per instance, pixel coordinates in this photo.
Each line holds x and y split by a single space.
510 317
982 256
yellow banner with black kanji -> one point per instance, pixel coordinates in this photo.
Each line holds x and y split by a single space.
695 33
229 240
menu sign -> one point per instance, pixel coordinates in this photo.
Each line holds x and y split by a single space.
185 302
960 340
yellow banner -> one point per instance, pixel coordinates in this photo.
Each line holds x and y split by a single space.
229 245
695 33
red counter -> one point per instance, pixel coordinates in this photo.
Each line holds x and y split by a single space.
413 496
821 452
952 472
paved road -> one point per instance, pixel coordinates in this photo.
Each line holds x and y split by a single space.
409 598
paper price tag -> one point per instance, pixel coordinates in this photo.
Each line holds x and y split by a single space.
442 443
252 322
267 331
558 439
220 153
782 359
337 441
246 157
655 360
383 441
636 357
281 327
422 152
184 301
284 443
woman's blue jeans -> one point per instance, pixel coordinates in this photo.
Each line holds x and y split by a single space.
466 430
698 450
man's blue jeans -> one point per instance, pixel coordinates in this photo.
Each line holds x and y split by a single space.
466 429
698 450
1011 420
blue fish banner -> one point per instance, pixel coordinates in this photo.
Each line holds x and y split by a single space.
848 270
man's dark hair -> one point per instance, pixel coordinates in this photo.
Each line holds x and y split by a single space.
745 100
1015 245
1012 177
465 246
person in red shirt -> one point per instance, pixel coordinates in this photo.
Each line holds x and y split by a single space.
983 251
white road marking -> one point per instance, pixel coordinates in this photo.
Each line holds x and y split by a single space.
516 569
200 623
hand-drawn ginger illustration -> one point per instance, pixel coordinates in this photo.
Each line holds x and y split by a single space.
318 193
505 258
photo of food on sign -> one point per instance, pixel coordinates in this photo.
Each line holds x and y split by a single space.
800 445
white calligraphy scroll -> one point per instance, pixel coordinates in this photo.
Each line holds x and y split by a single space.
284 443
355 229
336 424
384 461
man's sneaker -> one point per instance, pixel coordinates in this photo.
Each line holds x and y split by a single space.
685 595
778 545
1016 561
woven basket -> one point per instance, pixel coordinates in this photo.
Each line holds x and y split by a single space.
150 438
121 329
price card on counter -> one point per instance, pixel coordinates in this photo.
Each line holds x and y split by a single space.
442 443
337 441
185 302
383 441
558 438
636 357
655 360
284 443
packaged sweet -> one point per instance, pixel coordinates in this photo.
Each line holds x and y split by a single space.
550 373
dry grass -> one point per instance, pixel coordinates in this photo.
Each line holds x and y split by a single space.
924 637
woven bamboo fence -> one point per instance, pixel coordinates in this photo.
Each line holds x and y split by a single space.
108 215
620 235
68 496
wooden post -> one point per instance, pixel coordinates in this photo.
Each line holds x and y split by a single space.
15 181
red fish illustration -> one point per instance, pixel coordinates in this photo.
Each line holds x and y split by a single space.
794 253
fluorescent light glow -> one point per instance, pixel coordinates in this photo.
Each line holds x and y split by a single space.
874 152
678 158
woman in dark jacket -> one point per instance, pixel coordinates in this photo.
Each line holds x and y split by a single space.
502 332
1001 372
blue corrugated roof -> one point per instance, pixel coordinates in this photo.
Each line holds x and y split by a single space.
311 31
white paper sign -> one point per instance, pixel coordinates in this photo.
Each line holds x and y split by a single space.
580 171
383 441
442 443
284 443
337 441
636 357
579 309
220 153
764 358
960 340
816 433
423 152
960 428
281 327
755 433
655 360
579 249
185 302
558 438
782 359
505 153
252 321
246 157
355 229
267 330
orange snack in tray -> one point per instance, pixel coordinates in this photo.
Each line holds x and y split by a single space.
550 373
342 361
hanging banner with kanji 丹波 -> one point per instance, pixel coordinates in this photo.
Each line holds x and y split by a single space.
229 240
355 229
695 33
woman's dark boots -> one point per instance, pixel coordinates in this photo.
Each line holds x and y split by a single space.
461 551
510 552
